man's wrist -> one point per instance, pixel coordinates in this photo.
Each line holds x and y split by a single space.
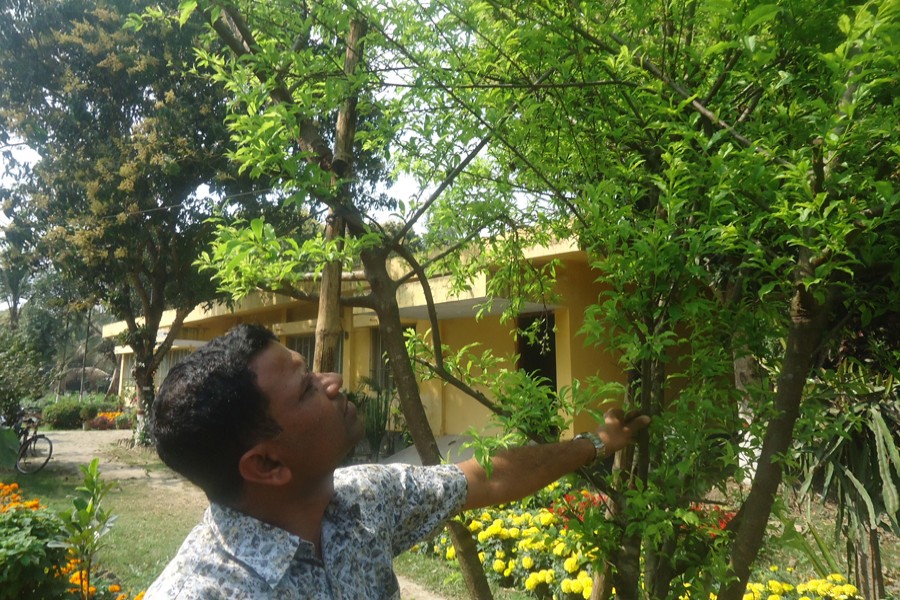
600 449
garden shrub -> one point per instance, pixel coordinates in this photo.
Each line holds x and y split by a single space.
65 414
537 545
29 561
124 421
89 412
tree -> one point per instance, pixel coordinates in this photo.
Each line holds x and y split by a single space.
127 136
728 165
21 377
19 255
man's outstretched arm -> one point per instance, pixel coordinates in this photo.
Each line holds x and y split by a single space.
522 471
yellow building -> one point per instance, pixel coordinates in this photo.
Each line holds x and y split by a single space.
449 410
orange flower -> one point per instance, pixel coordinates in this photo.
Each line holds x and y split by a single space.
115 587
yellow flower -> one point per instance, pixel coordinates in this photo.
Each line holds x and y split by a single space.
837 578
481 557
451 553
571 564
532 582
527 562
775 587
499 566
774 597
566 586
577 588
773 568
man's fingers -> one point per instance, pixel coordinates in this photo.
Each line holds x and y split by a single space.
632 414
616 414
638 422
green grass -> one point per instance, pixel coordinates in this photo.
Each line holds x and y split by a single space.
147 532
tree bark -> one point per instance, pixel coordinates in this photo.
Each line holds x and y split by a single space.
391 329
328 323
807 319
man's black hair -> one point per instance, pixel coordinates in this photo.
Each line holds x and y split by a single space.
210 411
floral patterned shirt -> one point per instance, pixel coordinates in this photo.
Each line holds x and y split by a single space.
377 512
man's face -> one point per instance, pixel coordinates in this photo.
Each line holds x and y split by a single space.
319 426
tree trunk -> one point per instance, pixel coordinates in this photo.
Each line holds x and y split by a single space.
328 323
391 329
807 317
143 379
87 336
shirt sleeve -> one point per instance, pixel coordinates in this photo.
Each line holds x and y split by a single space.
399 504
429 496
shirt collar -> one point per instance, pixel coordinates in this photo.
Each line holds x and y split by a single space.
264 548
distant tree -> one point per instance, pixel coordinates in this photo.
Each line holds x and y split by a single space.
21 376
128 138
19 252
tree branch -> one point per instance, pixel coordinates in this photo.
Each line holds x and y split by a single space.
233 30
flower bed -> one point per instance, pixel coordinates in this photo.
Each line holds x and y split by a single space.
536 546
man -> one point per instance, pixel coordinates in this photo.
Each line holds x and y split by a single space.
245 419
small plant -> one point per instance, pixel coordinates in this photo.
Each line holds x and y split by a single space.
86 523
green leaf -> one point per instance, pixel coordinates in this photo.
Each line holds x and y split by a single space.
759 15
186 9
863 495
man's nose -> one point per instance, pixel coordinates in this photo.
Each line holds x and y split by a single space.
331 383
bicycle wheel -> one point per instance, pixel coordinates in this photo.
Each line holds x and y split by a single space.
34 454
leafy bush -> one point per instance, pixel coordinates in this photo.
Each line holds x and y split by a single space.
69 413
29 562
123 421
65 414
89 411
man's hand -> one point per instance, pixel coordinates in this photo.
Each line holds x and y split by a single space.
620 429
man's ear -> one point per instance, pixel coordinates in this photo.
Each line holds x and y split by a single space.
258 465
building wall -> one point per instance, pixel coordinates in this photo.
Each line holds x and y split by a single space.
577 286
449 411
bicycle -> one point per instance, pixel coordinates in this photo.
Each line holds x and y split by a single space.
35 449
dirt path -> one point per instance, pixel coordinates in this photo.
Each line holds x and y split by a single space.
74 448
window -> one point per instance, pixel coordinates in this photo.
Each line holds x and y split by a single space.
306 345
